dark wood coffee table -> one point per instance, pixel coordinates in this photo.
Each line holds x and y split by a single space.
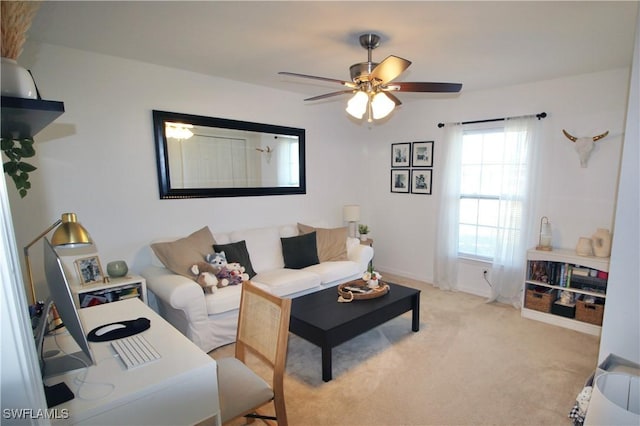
320 319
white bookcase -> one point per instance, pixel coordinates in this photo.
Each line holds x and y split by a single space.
560 264
115 290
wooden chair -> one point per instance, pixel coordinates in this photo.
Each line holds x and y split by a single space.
263 330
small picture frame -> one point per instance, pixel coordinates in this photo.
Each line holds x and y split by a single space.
421 181
89 270
422 154
400 154
400 181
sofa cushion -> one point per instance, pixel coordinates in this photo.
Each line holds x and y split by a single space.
333 271
237 252
332 243
224 299
300 252
264 247
282 282
179 255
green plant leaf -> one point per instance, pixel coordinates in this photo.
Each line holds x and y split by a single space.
10 168
26 167
18 170
6 144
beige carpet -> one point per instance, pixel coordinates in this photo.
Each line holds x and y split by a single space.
471 363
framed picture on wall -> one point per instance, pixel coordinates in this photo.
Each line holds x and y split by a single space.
400 154
400 181
89 270
422 154
421 181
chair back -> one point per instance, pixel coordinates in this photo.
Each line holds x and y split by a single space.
263 327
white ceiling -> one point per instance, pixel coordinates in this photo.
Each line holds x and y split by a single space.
480 44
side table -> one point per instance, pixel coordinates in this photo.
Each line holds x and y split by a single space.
116 289
367 242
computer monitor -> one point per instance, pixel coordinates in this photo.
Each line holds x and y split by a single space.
60 295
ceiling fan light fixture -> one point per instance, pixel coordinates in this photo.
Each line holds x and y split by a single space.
357 105
381 105
178 131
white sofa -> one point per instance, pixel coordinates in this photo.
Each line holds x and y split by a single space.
210 320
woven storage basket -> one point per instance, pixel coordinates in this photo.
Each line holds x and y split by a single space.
372 294
539 301
589 312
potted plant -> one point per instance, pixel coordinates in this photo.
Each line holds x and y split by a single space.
364 231
16 17
18 170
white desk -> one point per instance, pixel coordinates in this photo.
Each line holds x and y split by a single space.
180 388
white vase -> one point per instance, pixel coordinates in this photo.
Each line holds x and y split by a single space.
602 243
584 247
17 81
363 237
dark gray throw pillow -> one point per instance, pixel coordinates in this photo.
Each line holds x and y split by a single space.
237 252
300 252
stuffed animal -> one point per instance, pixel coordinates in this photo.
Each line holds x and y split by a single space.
232 274
238 270
216 259
217 273
206 276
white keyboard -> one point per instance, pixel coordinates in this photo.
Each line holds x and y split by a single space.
135 351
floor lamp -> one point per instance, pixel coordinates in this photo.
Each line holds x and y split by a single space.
69 234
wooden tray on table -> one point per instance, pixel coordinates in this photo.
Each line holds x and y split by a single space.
360 290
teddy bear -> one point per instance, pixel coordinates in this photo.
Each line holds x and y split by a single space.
205 274
232 274
217 273
229 273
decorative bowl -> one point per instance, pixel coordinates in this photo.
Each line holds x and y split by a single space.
117 268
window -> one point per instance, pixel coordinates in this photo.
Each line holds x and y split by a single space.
491 169
288 170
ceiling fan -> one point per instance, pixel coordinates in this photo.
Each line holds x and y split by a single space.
372 83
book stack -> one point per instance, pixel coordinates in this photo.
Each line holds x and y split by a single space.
567 275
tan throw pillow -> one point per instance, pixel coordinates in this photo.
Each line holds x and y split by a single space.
332 243
180 255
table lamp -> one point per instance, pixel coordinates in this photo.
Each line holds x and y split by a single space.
351 214
70 234
544 242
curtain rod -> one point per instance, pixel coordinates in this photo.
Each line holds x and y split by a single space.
538 116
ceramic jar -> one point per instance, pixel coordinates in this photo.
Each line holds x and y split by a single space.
117 268
17 81
602 242
584 247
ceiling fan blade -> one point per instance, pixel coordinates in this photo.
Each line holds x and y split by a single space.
390 68
424 87
328 95
331 80
393 98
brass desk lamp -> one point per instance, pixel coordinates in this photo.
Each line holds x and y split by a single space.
69 234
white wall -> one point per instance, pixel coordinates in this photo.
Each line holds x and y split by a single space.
621 322
576 200
98 158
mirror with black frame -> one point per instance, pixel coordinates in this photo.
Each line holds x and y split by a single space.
201 156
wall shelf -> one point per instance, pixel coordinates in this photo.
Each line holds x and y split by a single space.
24 118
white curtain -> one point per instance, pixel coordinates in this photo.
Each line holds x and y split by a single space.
515 222
446 254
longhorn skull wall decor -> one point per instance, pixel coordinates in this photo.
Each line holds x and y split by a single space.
584 145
